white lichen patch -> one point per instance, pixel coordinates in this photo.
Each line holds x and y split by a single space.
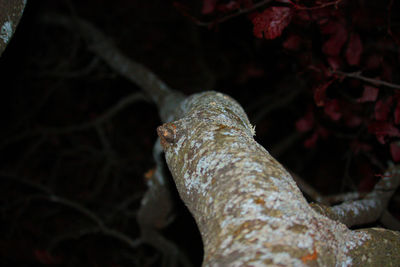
6 31
355 207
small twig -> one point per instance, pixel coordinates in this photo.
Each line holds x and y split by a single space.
334 3
357 75
227 17
102 228
106 116
102 46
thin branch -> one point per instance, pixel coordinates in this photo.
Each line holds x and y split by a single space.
106 116
357 75
225 18
102 228
333 3
101 45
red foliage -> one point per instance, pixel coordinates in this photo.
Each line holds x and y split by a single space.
292 42
320 93
397 112
334 62
382 109
352 120
306 123
332 109
271 22
395 151
354 50
208 6
338 37
383 129
370 94
312 141
373 61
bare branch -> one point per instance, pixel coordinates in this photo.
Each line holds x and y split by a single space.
357 75
224 18
370 208
154 87
102 227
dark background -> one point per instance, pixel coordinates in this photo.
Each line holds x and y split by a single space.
50 78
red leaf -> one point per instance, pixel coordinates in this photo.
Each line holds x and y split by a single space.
334 62
354 50
395 151
271 22
319 132
310 142
397 113
370 93
292 42
332 109
305 123
382 129
374 61
208 6
320 93
338 37
382 108
353 120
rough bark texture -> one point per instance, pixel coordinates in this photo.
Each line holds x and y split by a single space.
247 206
10 14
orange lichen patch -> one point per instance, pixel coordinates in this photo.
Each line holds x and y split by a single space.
221 126
239 232
259 201
149 174
310 257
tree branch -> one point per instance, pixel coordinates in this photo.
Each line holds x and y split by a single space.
154 87
247 206
357 75
370 208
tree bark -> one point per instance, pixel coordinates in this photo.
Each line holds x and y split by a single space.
247 206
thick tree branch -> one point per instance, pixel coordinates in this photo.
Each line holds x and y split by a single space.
247 206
